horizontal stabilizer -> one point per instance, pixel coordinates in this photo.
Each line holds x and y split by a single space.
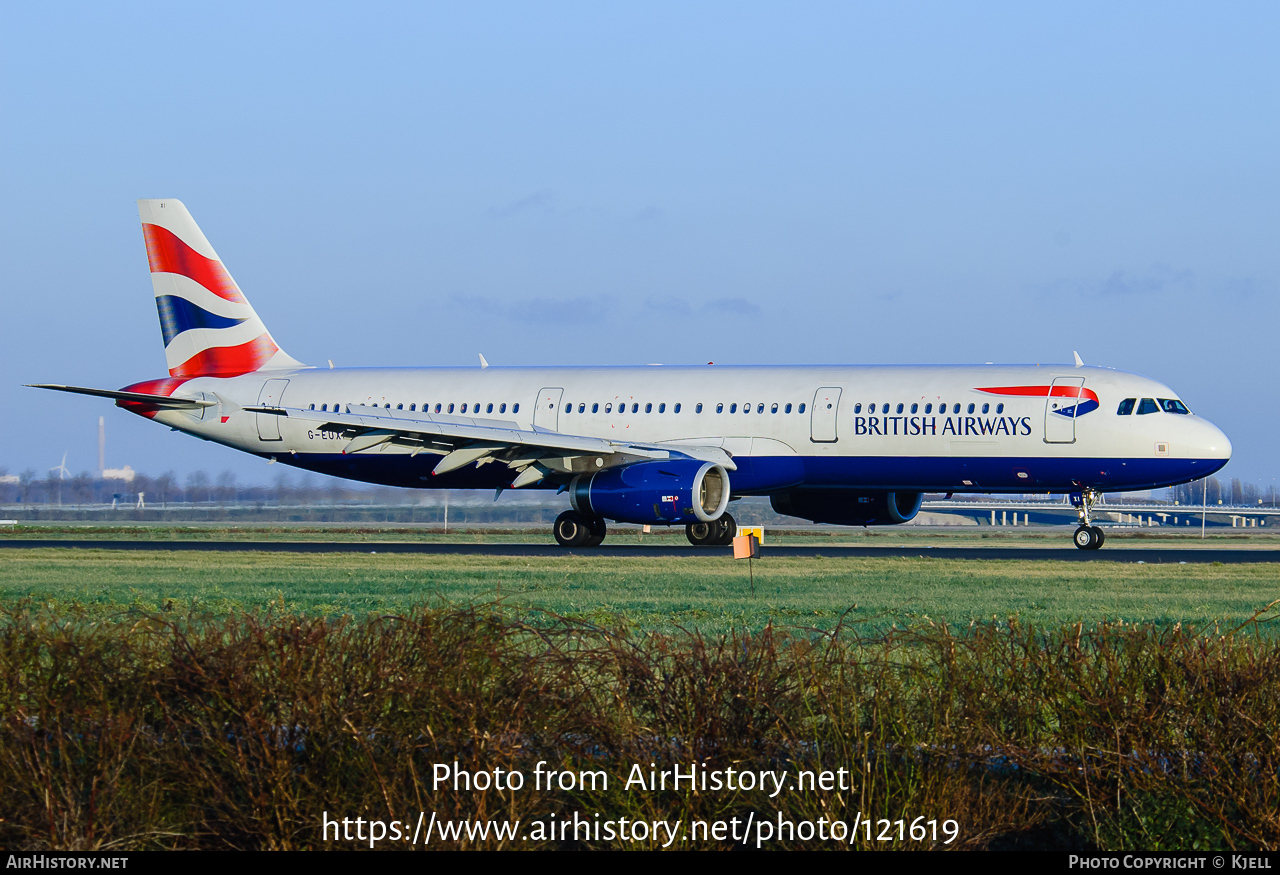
139 397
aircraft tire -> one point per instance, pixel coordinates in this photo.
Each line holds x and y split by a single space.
726 527
701 534
571 529
1085 539
1100 537
596 531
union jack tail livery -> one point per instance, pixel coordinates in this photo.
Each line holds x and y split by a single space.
209 327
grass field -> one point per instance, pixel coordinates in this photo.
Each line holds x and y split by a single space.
1118 538
710 593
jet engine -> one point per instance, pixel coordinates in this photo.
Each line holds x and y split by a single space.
671 492
849 507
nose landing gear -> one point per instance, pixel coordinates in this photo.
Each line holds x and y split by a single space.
1087 536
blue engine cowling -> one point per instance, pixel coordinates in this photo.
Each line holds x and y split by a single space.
664 493
849 507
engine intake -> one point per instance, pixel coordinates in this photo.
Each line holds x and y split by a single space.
849 507
667 493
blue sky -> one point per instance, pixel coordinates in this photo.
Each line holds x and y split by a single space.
611 184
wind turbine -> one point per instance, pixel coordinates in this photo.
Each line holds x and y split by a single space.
61 468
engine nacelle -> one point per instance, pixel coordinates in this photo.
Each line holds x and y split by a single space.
849 507
666 493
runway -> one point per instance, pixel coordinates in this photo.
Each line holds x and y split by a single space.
1147 555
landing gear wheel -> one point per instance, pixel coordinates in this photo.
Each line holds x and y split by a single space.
597 530
1086 539
1100 537
701 534
571 529
726 527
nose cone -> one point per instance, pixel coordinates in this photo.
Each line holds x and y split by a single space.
1208 446
1211 442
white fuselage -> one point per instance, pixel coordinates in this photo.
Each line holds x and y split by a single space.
782 426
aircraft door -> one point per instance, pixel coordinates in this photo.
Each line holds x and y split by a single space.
270 396
546 413
822 422
1060 410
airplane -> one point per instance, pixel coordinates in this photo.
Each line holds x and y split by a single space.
657 445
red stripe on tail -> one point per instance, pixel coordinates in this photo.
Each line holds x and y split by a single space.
166 253
228 361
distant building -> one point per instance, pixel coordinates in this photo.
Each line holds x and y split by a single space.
126 474
10 478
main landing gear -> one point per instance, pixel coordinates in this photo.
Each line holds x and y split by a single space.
572 529
1088 536
717 533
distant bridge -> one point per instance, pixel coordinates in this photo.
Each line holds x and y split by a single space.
1127 514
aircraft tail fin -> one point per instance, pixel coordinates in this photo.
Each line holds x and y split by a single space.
209 327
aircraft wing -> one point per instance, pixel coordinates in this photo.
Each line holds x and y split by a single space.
533 454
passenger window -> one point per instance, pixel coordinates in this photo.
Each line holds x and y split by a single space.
635 407
608 407
324 408
1126 407
676 409
698 409
773 409
437 408
1173 405
720 407
871 408
955 409
746 408
464 408
899 408
1000 408
1147 405
582 407
515 408
398 406
502 408
787 409
662 408
733 408
595 408
857 408
451 408
568 408
413 407
388 406
802 407
971 408
928 408
986 407
648 408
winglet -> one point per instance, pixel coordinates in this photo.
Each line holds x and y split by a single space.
483 364
1079 361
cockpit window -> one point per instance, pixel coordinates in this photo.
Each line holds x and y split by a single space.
1173 405
1147 405
1126 407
